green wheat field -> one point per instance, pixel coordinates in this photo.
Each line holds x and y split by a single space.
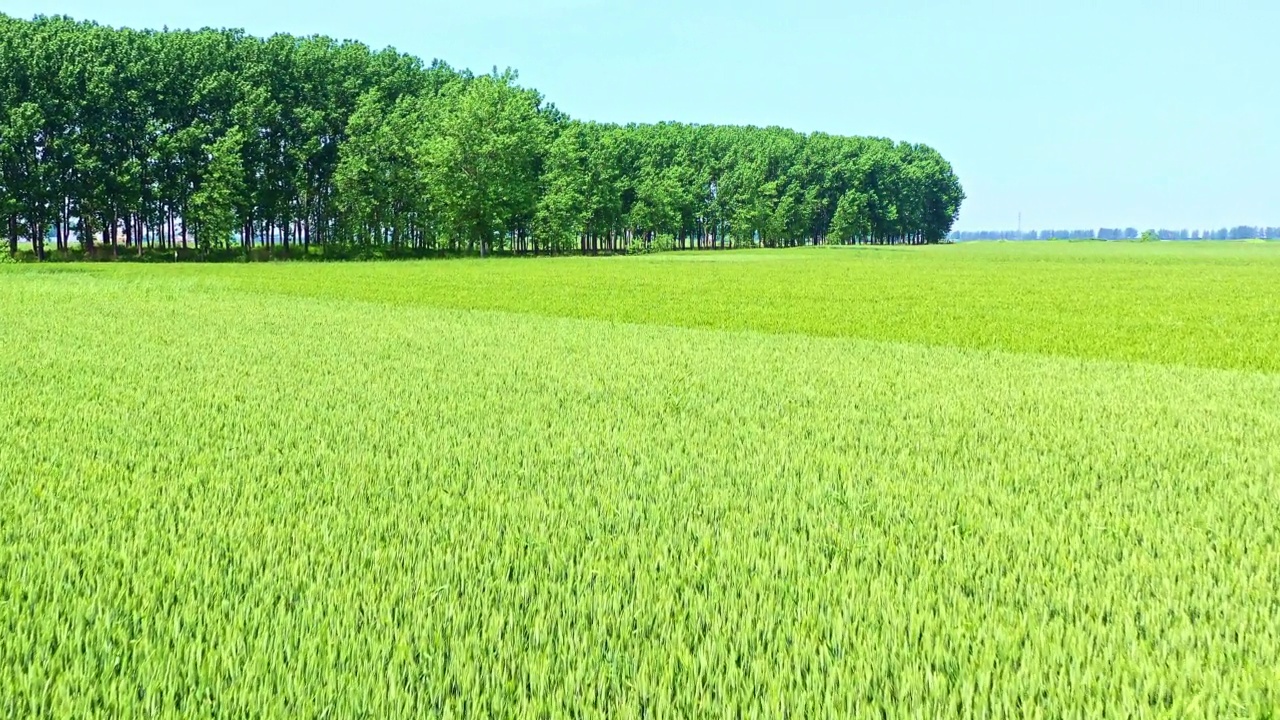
990 480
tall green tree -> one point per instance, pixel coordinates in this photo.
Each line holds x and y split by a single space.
213 205
480 154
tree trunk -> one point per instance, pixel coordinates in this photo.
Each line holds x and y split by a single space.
131 234
66 226
57 223
13 236
37 241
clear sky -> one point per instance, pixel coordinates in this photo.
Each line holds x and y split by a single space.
1076 113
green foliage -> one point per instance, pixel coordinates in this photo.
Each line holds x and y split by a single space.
640 245
563 211
480 152
852 216
169 140
213 206
662 242
1149 236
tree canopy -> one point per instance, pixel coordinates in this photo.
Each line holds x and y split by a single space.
122 140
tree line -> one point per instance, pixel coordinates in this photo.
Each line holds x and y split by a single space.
119 140
1240 232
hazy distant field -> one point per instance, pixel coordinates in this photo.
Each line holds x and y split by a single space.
992 479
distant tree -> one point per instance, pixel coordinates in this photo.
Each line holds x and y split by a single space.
481 152
212 212
852 220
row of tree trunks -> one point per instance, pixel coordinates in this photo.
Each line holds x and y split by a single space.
167 234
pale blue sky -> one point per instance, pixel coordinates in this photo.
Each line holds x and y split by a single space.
1079 113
